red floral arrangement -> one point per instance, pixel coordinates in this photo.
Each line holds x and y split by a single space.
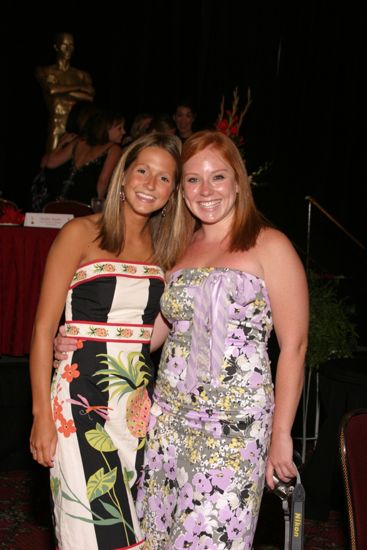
229 122
9 213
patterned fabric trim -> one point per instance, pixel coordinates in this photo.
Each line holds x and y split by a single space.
109 332
115 268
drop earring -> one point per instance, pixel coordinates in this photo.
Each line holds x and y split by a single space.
122 195
164 211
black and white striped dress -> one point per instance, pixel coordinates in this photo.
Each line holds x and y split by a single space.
101 402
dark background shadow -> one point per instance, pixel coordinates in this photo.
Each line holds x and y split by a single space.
303 65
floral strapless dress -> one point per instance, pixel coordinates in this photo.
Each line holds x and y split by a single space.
211 419
101 401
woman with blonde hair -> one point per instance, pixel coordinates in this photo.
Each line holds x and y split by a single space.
108 269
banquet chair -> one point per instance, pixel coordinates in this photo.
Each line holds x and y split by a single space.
5 202
68 207
353 452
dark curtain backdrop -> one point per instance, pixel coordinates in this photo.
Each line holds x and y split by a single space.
303 63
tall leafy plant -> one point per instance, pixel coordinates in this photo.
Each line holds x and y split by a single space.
332 333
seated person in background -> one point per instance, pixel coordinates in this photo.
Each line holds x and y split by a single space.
184 118
47 184
139 127
92 159
116 126
78 116
163 124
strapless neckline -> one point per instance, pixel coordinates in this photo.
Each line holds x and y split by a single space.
214 269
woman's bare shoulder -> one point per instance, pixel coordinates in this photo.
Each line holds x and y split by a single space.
114 148
81 228
277 253
270 237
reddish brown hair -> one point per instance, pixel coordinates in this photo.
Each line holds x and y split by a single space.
248 221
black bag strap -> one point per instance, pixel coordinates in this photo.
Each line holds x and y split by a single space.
297 515
293 504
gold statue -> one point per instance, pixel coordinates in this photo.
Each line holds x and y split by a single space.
62 86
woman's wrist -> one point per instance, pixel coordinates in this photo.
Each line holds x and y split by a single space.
41 411
281 431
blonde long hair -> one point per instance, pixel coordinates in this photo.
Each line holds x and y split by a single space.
247 221
112 228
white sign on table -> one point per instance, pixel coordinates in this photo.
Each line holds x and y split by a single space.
39 219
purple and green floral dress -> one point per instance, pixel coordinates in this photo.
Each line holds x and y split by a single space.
211 419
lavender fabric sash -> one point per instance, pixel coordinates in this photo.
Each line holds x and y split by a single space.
210 323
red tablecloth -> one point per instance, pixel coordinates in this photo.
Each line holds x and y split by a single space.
23 252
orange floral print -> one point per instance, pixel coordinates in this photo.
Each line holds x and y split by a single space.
67 427
129 268
145 334
80 275
151 270
126 333
71 330
101 332
57 409
70 372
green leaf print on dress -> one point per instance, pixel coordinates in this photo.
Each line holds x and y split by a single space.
120 378
100 440
132 379
99 484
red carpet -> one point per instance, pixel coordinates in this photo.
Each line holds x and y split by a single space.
25 522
